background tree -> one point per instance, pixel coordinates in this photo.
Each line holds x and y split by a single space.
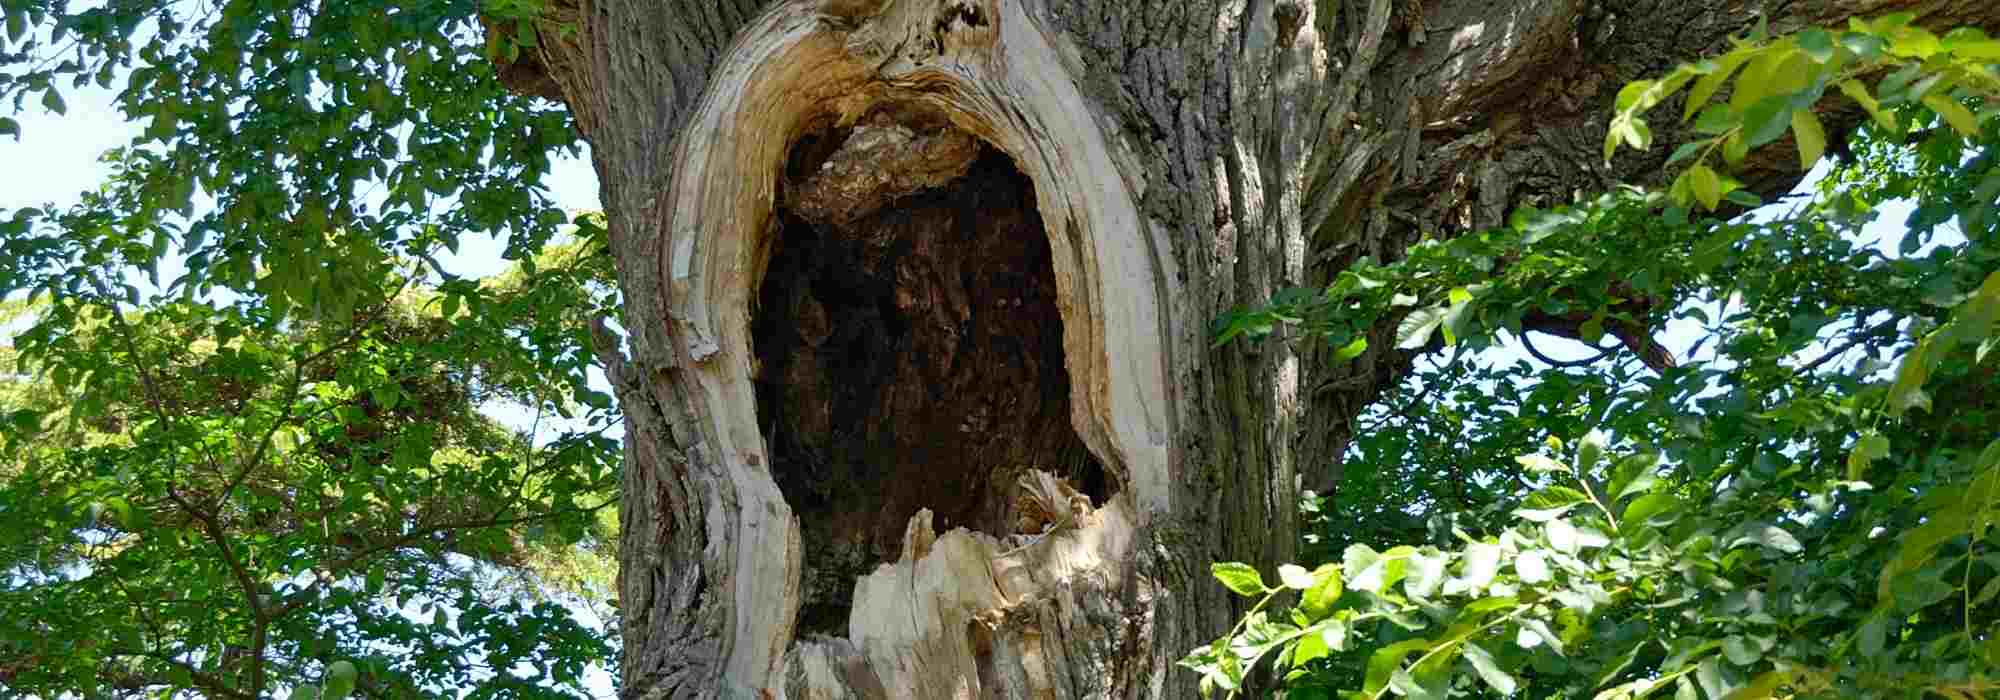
793 185
210 496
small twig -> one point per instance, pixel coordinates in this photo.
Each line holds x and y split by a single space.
1530 347
1864 336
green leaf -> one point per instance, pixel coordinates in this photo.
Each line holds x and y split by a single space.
1295 577
1386 661
1873 636
1978 49
1811 137
1761 688
1718 119
1646 508
1816 43
53 101
1488 670
1311 646
1414 332
1955 114
1621 131
1561 535
1734 148
1628 97
1532 566
1766 119
1240 578
1907 391
1634 474
340 677
1770 536
1554 497
1987 592
1352 349
1334 633
1426 575
1482 563
1707 186
1859 93
1705 87
1870 447
1383 573
1590 451
1686 151
1741 651
1326 590
304 692
1637 134
1534 633
1744 198
1759 79
1542 463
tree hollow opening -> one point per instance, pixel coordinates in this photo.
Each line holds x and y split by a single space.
909 347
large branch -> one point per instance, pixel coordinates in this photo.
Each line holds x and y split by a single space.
1496 110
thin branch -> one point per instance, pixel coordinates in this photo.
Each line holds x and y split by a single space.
1537 354
1864 336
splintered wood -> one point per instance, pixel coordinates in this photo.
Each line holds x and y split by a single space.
881 161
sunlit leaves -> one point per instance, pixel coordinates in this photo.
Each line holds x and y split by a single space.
1241 579
295 128
1783 79
339 461
1811 137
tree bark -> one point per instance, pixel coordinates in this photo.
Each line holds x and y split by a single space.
839 340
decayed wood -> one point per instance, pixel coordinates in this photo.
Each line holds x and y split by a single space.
905 355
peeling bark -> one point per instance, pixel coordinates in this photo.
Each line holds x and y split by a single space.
1170 160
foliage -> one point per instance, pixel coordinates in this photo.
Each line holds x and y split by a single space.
1782 79
1788 513
330 138
259 461
207 495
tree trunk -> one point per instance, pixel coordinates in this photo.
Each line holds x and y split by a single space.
896 267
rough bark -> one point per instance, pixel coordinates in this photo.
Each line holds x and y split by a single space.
817 208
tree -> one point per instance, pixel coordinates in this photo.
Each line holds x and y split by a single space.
204 496
843 325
